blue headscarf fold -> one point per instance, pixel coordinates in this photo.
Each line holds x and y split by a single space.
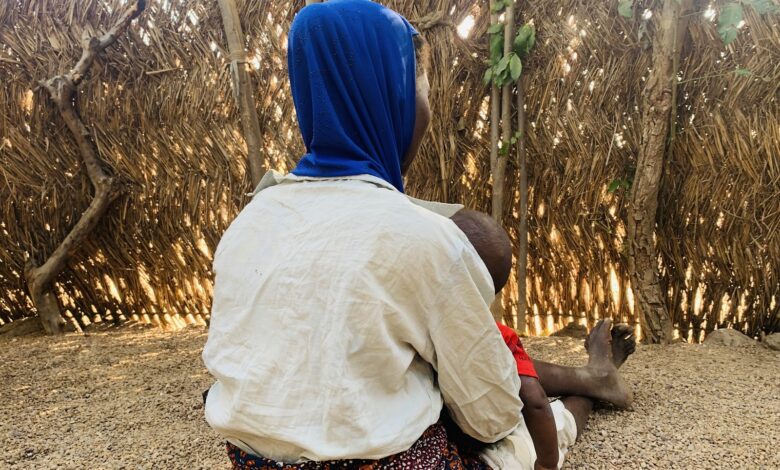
352 75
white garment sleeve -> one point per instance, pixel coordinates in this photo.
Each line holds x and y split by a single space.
476 371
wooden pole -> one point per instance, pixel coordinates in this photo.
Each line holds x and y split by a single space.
495 109
522 230
498 159
495 116
242 89
506 122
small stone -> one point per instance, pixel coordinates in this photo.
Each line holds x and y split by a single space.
728 337
572 330
772 341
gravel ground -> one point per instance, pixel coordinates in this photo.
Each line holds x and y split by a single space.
131 399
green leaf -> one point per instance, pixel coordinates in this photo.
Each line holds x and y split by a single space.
497 7
522 35
728 35
496 28
496 47
614 185
498 79
488 76
730 15
503 77
515 67
525 40
626 8
502 65
743 72
531 40
762 7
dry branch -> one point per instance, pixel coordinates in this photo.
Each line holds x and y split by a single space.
62 90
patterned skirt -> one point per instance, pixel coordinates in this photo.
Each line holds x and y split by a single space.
433 451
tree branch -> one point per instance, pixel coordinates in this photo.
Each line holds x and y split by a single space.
62 90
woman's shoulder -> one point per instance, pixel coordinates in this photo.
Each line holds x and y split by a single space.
430 230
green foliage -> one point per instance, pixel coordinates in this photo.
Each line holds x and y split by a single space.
506 146
731 15
501 66
488 75
743 72
499 6
515 67
496 28
626 8
525 40
728 21
507 70
762 7
497 45
504 69
617 183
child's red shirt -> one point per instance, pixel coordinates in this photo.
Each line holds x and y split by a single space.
525 365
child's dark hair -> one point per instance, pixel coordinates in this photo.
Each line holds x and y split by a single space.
491 242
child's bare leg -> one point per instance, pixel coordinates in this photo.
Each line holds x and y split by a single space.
608 348
580 408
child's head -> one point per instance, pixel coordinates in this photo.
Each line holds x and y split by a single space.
491 242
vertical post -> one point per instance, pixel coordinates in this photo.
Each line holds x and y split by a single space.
495 109
522 230
495 116
499 177
242 89
506 122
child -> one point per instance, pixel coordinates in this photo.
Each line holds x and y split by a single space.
494 248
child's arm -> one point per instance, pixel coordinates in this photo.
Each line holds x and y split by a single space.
537 413
540 422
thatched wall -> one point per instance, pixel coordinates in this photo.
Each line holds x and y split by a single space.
161 110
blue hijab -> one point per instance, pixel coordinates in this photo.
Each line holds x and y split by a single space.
352 75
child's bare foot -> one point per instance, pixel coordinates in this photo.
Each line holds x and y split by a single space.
602 364
623 343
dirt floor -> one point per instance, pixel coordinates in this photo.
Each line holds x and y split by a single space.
131 399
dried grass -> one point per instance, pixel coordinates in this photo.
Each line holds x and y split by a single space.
160 107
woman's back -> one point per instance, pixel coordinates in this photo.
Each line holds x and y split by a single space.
319 334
